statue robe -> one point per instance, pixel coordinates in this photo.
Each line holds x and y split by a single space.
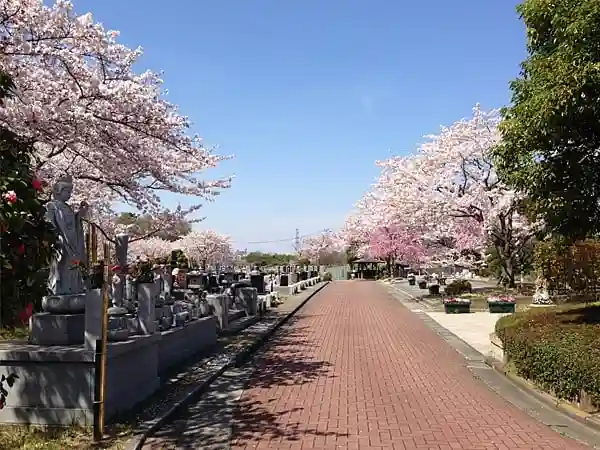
64 279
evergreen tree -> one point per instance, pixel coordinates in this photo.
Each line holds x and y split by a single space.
26 239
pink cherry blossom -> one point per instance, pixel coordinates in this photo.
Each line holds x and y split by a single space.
206 248
90 115
151 247
314 247
448 194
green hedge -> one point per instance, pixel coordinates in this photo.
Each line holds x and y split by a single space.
458 287
558 349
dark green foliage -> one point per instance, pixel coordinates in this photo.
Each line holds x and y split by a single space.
26 238
458 287
268 259
558 349
181 260
551 131
144 225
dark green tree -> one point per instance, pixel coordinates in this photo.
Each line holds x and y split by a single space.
145 226
550 147
26 239
268 259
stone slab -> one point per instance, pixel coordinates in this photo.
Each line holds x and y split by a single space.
473 328
57 329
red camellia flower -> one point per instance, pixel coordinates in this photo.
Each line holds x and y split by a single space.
26 314
36 184
115 268
21 249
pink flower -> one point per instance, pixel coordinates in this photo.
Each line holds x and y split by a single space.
36 184
10 196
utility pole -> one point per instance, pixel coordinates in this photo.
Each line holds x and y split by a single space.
297 241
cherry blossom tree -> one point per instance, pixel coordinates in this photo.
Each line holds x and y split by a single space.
316 247
451 188
152 248
90 115
207 247
395 242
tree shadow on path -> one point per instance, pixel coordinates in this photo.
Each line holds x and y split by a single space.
224 415
286 361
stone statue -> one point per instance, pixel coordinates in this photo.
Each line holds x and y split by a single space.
65 277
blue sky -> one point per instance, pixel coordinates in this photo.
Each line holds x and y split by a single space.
308 94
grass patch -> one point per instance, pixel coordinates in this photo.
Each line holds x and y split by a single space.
13 437
14 334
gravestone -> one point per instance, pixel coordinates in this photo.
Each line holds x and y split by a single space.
258 282
283 280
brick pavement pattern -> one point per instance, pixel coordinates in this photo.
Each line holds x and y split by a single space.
357 370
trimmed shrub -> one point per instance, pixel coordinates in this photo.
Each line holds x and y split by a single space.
558 349
458 287
326 277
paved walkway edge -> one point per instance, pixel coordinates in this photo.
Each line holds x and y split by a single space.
564 408
549 400
137 442
476 359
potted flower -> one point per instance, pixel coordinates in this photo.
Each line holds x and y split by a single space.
501 304
411 279
422 283
457 305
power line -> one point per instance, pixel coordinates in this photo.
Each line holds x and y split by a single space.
291 239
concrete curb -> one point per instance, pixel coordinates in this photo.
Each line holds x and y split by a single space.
137 442
547 399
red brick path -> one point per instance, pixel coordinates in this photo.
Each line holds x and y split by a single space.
356 370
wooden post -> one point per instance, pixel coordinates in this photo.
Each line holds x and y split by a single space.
100 376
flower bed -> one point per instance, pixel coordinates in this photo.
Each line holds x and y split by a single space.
501 304
556 349
457 305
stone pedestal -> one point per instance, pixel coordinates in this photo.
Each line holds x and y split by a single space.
220 309
61 323
64 304
93 318
57 329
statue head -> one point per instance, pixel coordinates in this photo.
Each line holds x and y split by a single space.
63 188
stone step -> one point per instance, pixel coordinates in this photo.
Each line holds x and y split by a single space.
235 314
240 324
